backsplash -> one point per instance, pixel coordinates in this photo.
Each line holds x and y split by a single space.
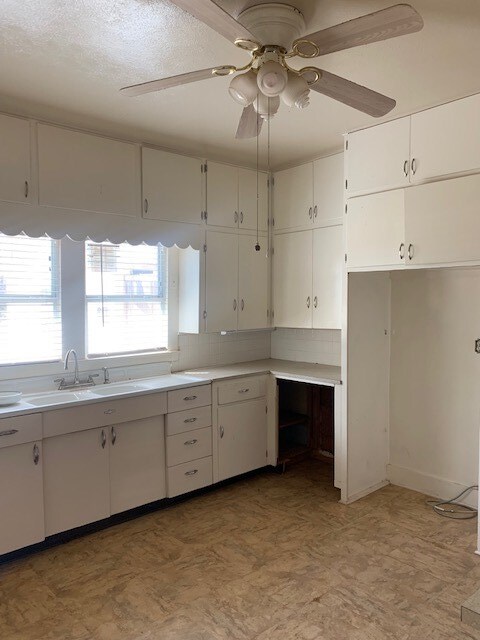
319 346
214 349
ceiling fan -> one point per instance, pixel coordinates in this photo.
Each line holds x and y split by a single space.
272 34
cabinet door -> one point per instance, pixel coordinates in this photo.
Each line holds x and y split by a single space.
446 139
252 283
221 281
442 221
327 277
242 437
76 479
137 463
292 276
222 195
328 188
14 159
172 186
21 497
247 199
293 197
378 158
376 230
87 172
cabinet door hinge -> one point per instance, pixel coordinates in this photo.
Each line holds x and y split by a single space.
266 409
201 215
346 208
205 168
204 315
205 248
273 222
205 215
345 257
346 145
346 184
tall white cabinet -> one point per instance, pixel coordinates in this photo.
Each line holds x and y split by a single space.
15 153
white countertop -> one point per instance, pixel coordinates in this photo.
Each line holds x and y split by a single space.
283 369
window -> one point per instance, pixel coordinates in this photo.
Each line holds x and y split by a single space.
30 314
126 298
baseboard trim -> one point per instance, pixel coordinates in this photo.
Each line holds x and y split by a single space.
431 485
365 492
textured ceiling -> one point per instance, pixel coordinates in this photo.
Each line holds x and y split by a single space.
65 60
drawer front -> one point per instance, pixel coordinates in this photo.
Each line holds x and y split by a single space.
189 398
20 429
182 421
189 476
102 414
188 446
242 389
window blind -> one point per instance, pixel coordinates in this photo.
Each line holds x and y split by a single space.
30 313
126 298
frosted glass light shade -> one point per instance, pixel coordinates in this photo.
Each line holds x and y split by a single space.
296 93
266 107
272 78
243 88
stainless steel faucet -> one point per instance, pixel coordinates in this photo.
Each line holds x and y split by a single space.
76 379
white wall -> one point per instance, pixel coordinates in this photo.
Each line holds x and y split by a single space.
207 350
435 380
320 346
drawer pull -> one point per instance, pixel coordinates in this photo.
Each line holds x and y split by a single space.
107 412
194 441
187 398
36 454
9 432
187 420
246 390
191 473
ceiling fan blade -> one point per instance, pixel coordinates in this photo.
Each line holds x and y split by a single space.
166 83
215 17
352 94
398 20
250 124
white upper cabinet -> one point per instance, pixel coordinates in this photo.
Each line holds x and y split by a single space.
293 197
221 281
328 188
292 301
327 277
442 221
247 199
15 159
446 139
87 172
172 186
222 195
376 230
378 158
252 283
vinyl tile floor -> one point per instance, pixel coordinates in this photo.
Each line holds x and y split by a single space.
269 557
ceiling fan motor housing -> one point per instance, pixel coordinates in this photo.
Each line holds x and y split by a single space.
274 23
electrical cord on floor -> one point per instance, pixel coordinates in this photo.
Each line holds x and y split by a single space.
456 511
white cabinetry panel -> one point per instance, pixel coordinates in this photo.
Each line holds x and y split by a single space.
221 281
293 197
247 199
222 195
21 497
192 445
189 476
14 159
328 188
137 463
378 158
446 139
327 277
86 172
242 437
252 283
293 280
172 186
376 230
76 479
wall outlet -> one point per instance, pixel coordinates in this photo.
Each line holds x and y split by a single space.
477 345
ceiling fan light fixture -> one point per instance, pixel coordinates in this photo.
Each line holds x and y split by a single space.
296 93
243 88
266 107
272 78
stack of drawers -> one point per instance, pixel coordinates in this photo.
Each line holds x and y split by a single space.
189 440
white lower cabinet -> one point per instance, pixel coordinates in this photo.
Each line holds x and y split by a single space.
76 479
137 463
21 497
189 476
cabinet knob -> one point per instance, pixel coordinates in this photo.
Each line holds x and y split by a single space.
188 420
405 168
315 211
145 205
308 302
26 189
234 305
235 216
114 435
189 442
36 454
222 432
310 213
241 217
8 432
414 166
104 439
245 390
242 304
315 302
401 251
410 251
107 412
187 398
191 473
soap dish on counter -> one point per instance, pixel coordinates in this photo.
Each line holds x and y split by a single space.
9 397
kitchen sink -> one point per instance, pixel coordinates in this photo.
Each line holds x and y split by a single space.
59 398
111 390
